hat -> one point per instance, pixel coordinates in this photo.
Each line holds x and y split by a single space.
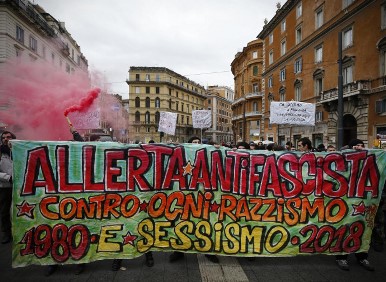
252 143
355 142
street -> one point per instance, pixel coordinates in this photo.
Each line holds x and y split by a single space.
197 268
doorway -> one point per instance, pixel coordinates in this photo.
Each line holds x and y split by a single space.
349 128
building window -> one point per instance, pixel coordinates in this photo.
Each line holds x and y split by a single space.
147 102
318 116
33 44
147 117
255 88
254 55
383 16
255 106
347 74
282 94
157 90
380 106
147 77
347 38
255 70
147 90
177 106
270 58
283 26
157 115
157 103
318 82
270 38
137 77
157 77
20 34
137 116
137 102
299 10
298 91
283 47
319 18
270 82
170 103
318 54
298 34
137 90
298 65
282 74
347 3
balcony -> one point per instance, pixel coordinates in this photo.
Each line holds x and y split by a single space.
239 100
254 114
237 117
254 95
350 89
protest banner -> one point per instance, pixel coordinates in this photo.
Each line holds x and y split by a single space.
88 119
167 123
201 119
76 202
296 113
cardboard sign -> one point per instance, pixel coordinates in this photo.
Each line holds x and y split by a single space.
202 119
297 113
167 123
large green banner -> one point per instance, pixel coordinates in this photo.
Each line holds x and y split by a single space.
77 202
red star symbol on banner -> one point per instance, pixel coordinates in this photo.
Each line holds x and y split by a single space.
129 239
143 206
359 209
188 168
25 209
214 207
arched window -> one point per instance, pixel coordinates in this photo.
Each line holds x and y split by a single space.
147 102
157 103
137 116
157 115
255 106
137 102
147 117
282 94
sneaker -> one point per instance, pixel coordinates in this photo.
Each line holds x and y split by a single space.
80 268
212 258
116 264
176 256
149 259
366 265
343 264
50 270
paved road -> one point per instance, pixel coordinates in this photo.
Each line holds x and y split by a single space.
197 268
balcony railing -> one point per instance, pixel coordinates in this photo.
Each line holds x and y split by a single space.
349 89
241 99
237 117
253 114
254 95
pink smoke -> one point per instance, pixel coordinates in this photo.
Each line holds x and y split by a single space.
33 97
85 103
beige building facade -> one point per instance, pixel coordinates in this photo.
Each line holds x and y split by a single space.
219 102
301 55
158 89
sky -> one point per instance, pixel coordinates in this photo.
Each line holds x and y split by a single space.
195 38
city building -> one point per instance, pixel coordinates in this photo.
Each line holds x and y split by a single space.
248 106
219 102
29 33
301 63
158 89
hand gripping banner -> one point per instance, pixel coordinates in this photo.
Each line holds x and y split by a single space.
80 202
